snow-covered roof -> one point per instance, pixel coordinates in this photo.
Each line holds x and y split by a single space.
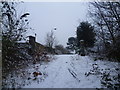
23 41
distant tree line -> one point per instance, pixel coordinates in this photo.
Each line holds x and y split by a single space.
85 31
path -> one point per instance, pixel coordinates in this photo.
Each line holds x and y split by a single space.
68 71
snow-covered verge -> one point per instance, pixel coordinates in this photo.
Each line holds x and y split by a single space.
67 71
18 78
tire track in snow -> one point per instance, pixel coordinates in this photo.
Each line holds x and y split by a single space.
73 74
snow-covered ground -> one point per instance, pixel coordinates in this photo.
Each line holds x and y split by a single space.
70 71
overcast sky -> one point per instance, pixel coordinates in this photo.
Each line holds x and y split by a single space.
65 16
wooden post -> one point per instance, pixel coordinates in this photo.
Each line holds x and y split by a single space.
82 48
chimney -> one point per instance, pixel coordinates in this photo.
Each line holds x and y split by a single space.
32 43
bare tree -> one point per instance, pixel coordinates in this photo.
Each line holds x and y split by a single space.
50 39
106 16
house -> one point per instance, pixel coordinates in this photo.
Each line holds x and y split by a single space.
31 46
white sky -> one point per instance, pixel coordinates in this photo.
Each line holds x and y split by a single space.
65 16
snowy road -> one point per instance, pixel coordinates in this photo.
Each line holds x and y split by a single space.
68 71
